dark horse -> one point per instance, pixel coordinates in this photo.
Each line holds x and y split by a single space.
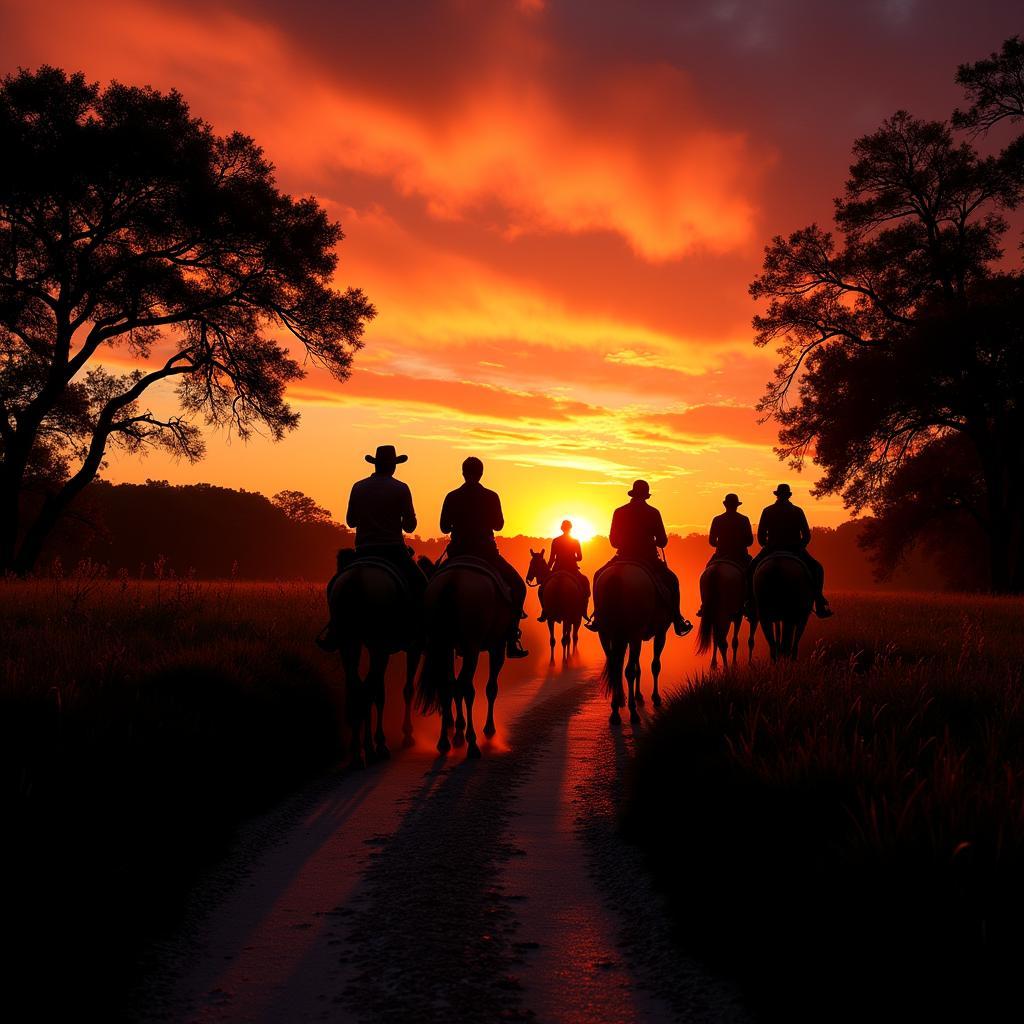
562 600
784 598
371 609
629 609
466 613
723 590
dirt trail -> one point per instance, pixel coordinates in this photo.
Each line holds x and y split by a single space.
434 889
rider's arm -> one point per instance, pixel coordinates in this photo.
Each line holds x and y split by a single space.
615 533
352 515
660 536
713 533
762 529
805 530
497 519
749 539
408 512
579 552
446 516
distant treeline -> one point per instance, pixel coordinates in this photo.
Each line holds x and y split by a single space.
212 532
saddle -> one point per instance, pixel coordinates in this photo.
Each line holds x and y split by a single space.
476 565
716 559
378 563
782 553
661 589
577 577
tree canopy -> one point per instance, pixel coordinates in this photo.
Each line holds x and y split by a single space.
131 232
905 326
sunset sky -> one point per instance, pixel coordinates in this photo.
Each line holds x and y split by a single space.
556 208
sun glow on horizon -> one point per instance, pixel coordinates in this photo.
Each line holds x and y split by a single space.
582 528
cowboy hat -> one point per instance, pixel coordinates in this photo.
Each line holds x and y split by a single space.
783 491
731 499
386 456
640 489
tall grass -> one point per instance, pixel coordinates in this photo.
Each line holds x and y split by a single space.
139 722
848 832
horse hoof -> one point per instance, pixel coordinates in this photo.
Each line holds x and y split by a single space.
443 746
613 718
459 738
473 752
656 700
408 741
489 731
634 715
383 753
639 698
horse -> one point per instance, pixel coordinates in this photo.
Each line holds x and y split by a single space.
723 590
629 610
563 600
371 609
466 612
784 598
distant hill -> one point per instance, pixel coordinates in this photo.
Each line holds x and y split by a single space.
219 533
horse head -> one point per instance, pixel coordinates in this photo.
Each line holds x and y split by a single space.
538 566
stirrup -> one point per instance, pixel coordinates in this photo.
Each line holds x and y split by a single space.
682 626
592 625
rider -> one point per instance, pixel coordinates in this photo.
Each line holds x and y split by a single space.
566 554
380 510
471 513
637 532
783 527
730 535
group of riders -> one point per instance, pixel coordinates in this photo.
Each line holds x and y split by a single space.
381 512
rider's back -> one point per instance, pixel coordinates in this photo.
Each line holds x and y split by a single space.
379 508
637 531
783 525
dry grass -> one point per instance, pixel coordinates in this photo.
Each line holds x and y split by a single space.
852 827
140 722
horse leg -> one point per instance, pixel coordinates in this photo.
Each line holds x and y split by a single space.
444 744
565 639
375 685
460 719
798 632
768 628
637 694
576 635
467 692
659 646
551 638
495 659
412 661
722 639
750 640
633 678
736 623
354 698
615 655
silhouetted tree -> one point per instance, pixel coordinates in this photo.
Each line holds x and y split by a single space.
908 331
301 508
995 87
126 222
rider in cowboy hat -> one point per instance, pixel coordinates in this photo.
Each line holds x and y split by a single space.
471 513
730 535
783 527
637 532
380 511
566 554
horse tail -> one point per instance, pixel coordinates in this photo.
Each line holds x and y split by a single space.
611 674
433 687
706 630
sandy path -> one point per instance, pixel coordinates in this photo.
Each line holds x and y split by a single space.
436 889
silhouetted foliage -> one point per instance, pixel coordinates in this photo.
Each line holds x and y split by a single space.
995 87
127 224
301 508
908 331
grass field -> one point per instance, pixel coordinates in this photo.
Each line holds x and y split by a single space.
139 722
849 831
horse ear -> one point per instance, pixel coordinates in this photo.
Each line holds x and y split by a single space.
542 550
532 552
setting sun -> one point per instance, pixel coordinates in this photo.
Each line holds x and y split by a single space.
582 529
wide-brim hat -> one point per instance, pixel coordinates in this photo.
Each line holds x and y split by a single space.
386 456
731 499
641 489
783 491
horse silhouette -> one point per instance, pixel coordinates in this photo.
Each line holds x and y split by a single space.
723 588
466 614
629 609
784 598
372 609
562 600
